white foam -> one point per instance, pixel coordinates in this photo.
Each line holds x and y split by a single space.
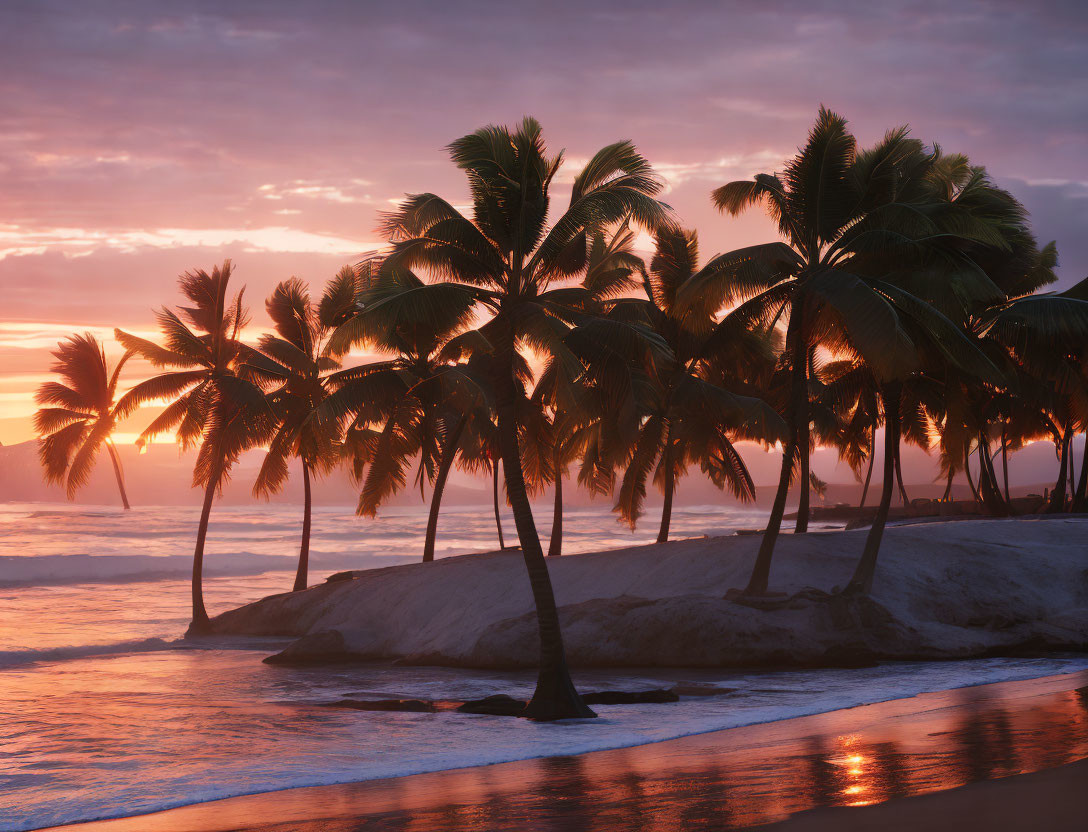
17 658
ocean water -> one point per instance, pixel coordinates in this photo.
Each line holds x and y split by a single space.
105 712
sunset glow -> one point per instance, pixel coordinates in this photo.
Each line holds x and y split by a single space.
582 416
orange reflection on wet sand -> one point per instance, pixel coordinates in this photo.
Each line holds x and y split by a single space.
729 779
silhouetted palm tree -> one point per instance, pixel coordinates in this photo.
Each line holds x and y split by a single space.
421 404
594 415
295 363
83 416
504 260
686 418
851 220
212 405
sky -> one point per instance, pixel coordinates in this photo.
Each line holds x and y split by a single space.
139 140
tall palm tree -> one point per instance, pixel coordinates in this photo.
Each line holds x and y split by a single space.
504 261
593 412
848 219
969 368
293 360
422 402
83 414
214 405
687 418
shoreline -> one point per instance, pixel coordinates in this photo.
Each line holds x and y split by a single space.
924 728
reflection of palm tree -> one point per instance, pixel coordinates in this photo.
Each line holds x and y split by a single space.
293 361
504 260
83 414
212 405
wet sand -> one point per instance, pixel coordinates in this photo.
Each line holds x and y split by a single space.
960 759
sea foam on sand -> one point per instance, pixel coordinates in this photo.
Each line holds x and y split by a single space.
942 590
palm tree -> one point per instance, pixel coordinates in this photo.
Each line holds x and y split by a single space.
83 414
505 260
848 396
422 396
293 360
213 404
968 368
687 418
593 412
849 219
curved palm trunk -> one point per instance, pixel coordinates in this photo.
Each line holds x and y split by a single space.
1057 496
555 696
803 449
666 508
117 473
899 474
1072 473
495 499
200 622
1080 499
302 575
798 411
987 482
967 471
866 568
1005 463
948 486
869 473
555 542
449 453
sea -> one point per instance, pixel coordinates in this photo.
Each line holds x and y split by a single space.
106 711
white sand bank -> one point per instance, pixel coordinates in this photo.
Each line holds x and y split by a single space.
943 590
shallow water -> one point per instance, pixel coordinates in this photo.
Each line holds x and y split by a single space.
99 721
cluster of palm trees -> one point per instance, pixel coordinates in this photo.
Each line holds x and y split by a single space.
903 295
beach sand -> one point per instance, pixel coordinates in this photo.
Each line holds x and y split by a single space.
942 591
1008 756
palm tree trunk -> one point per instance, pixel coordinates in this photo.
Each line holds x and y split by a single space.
1072 473
987 480
803 448
666 508
555 696
1057 496
869 473
449 453
200 622
1080 499
948 487
899 474
967 471
866 568
798 410
555 542
1005 463
495 498
117 473
302 575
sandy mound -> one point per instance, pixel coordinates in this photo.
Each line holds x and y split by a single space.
945 590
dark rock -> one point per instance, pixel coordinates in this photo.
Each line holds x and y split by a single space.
409 705
498 705
629 697
325 647
340 576
701 690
